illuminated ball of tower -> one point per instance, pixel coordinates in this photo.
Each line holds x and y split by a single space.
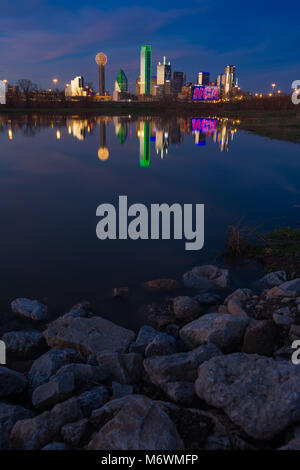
101 58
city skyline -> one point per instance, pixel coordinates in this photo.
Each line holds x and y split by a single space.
40 41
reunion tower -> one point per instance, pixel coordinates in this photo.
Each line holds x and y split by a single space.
101 60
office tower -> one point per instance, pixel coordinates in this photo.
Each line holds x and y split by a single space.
153 85
121 83
144 139
203 78
229 78
76 87
2 92
101 60
138 86
145 69
163 72
179 80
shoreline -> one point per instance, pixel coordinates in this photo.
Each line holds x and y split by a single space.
82 367
275 124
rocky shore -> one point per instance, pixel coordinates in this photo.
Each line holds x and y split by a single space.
211 370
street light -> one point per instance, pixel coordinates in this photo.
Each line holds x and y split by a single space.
273 87
55 81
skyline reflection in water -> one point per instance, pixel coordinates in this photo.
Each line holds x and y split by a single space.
55 171
157 132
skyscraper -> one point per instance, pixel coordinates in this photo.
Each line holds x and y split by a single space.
101 61
163 72
229 78
178 79
145 70
203 78
121 83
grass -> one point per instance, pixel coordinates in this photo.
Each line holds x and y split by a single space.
276 250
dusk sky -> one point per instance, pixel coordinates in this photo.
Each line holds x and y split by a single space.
42 39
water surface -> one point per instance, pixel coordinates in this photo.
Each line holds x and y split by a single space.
56 171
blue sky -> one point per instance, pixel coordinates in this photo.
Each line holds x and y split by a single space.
42 39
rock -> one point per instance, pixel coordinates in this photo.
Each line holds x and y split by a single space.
207 298
121 390
11 382
144 337
37 432
239 294
291 288
73 433
29 308
81 309
173 330
262 338
222 309
55 446
282 320
92 399
235 308
271 280
294 332
259 394
274 293
121 291
136 423
283 311
161 345
88 335
83 374
23 342
175 374
224 330
179 367
186 308
161 285
49 363
180 392
58 389
123 368
294 444
206 277
9 415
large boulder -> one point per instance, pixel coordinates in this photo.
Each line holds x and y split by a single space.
186 308
206 277
291 288
23 343
145 335
9 415
261 337
179 367
37 432
259 394
123 368
134 422
175 374
88 335
32 309
11 382
224 330
271 280
49 363
56 390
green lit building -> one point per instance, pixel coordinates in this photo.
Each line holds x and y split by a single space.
144 138
145 70
121 82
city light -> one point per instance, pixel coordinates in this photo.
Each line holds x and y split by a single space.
58 134
55 81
